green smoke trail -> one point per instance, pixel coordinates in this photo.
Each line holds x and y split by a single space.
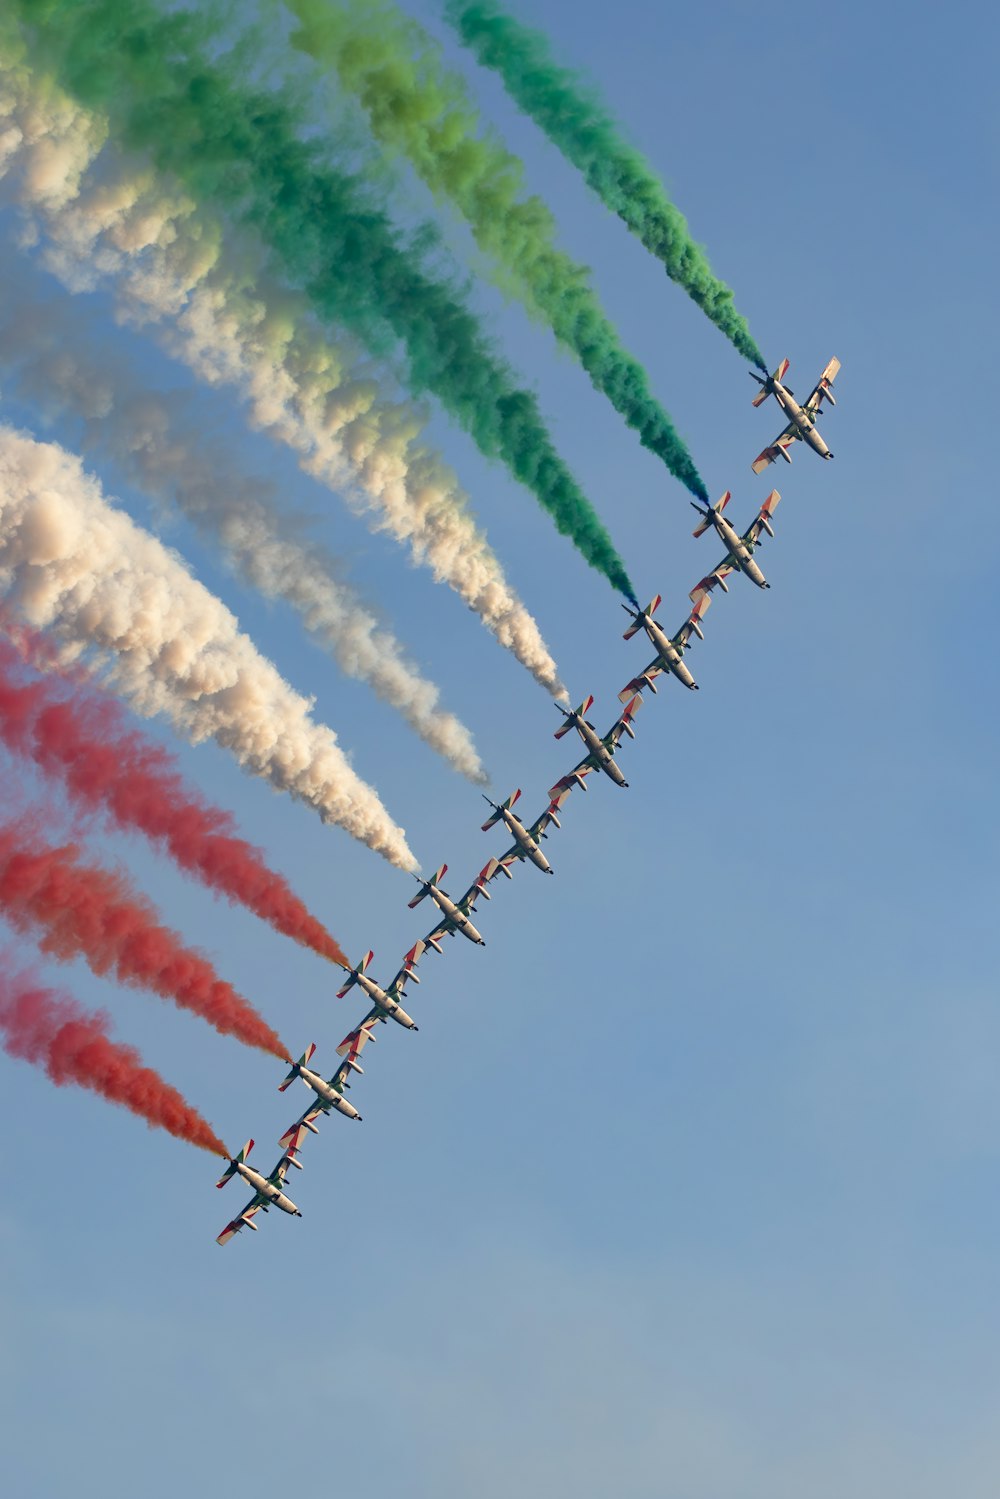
241 148
419 108
567 108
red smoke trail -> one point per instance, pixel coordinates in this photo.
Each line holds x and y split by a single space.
53 1031
108 768
84 910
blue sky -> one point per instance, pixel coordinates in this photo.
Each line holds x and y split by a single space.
687 1187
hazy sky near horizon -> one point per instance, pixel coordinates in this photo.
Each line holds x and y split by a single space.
687 1188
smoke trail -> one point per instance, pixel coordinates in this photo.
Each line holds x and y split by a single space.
82 741
417 107
571 114
163 447
71 562
82 910
232 326
50 1029
239 147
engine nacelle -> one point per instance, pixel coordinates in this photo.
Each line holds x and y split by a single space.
767 526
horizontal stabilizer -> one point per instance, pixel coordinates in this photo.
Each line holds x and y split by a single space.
303 1061
638 621
236 1161
435 879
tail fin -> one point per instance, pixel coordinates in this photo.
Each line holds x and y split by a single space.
435 879
302 1062
236 1161
636 624
583 709
352 977
706 523
765 386
498 812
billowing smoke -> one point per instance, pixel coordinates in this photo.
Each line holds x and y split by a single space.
72 563
218 311
569 111
77 735
418 107
167 92
51 1030
51 351
79 909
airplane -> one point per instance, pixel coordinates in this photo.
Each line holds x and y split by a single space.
526 840
329 1095
386 1001
669 648
801 419
601 751
741 548
455 914
268 1191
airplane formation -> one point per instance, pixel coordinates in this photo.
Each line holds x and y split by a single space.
455 916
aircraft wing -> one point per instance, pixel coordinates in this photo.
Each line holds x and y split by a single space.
718 574
645 679
296 1133
442 929
612 738
410 962
752 533
778 449
565 784
540 825
242 1220
476 889
355 1041
822 389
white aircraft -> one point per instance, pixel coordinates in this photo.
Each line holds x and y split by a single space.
740 556
454 914
526 840
801 419
386 1001
669 648
329 1095
268 1191
600 749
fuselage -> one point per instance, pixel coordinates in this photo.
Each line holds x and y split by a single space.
329 1095
739 550
458 918
524 841
267 1189
800 419
603 757
670 654
385 1002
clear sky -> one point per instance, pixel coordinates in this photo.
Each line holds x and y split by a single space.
687 1188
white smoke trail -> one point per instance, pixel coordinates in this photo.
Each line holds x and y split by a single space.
166 451
220 316
71 563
